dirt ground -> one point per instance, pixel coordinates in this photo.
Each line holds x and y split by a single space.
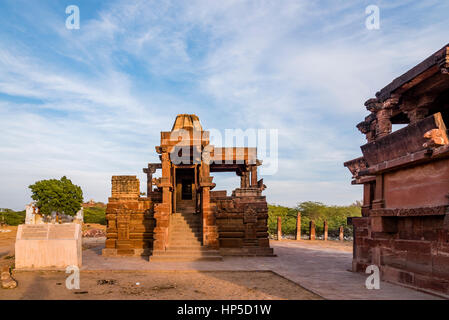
221 285
7 240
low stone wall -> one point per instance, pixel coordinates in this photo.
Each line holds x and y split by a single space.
242 222
130 219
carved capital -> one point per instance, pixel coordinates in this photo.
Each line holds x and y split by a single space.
391 102
364 127
161 149
373 105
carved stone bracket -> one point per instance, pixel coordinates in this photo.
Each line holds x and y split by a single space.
356 165
437 137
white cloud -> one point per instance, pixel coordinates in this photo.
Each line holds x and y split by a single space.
95 100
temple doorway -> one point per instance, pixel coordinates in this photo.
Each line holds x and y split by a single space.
185 198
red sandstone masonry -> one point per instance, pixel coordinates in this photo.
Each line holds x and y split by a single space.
234 225
405 224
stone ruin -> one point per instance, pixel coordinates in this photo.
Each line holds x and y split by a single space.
33 216
181 218
404 228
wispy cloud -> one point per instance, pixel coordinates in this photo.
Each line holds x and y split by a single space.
90 103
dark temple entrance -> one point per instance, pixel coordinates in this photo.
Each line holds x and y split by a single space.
185 198
186 189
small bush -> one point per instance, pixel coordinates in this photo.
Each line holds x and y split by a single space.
95 215
12 218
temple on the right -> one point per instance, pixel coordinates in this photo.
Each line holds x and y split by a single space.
404 228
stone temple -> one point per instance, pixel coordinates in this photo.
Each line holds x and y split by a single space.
182 218
404 228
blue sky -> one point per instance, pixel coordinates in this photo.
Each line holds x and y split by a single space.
90 103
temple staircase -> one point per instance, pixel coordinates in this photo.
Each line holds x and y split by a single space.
185 239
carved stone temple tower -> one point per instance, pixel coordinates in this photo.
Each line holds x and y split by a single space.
404 228
181 218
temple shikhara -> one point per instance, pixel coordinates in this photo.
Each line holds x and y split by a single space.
404 228
182 217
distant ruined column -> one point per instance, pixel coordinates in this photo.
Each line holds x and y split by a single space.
312 230
341 233
279 228
149 172
325 230
298 226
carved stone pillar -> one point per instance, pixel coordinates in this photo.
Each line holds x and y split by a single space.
162 210
244 179
250 222
367 200
166 178
149 171
383 116
254 176
210 230
378 201
384 126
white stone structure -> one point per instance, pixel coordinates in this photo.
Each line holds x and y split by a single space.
32 216
48 246
79 218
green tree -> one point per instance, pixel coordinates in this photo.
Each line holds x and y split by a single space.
336 216
60 196
95 215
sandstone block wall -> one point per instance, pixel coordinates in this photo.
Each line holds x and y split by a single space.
130 219
242 222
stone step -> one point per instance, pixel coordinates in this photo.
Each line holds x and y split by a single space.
185 238
186 248
185 211
186 219
166 258
186 215
180 234
181 222
185 230
196 232
193 253
185 225
180 242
